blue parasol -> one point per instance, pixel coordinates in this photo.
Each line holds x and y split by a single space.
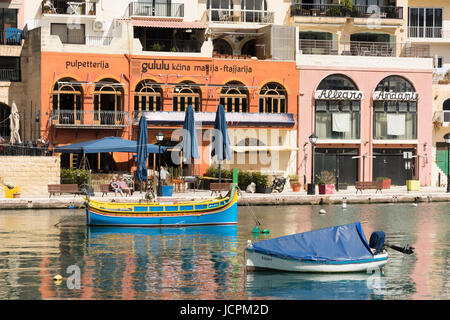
220 139
142 150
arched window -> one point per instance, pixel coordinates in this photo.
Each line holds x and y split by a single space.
395 110
234 97
249 48
187 93
5 111
222 47
67 101
272 98
108 102
147 97
337 115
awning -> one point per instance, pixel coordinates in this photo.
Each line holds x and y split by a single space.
233 118
171 24
241 149
108 144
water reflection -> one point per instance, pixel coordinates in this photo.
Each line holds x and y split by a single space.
164 263
208 262
311 286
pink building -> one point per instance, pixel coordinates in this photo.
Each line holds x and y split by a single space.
369 114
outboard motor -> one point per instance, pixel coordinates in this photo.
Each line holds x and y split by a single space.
278 184
376 241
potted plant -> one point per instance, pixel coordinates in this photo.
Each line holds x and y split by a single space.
295 184
244 179
262 182
167 187
386 182
326 182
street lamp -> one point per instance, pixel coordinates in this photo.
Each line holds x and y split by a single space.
312 186
447 140
159 138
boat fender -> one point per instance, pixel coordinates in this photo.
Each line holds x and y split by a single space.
322 211
255 229
265 231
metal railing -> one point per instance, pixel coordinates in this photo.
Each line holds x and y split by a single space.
90 118
79 39
69 7
339 10
148 9
12 37
7 74
172 45
240 16
362 48
428 32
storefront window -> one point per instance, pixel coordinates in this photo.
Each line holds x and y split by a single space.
147 97
272 98
108 102
234 97
67 101
337 107
186 94
395 110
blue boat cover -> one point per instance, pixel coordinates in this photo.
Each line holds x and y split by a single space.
338 243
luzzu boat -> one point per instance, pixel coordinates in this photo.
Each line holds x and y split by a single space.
216 211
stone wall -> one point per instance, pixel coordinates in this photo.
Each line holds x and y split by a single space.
30 174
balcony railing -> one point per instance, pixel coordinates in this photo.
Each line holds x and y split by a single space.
148 9
362 48
428 32
10 74
338 10
69 7
172 45
72 118
240 16
11 37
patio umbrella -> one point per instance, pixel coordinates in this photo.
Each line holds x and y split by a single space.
220 139
14 123
189 139
142 151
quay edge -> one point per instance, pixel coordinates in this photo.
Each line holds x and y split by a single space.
253 200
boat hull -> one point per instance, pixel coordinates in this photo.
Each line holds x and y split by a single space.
256 260
212 212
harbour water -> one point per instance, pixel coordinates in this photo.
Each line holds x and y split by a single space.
208 262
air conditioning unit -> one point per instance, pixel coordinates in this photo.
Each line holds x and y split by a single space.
99 25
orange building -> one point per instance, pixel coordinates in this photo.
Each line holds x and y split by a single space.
90 96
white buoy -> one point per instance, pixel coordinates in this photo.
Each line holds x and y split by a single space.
322 211
414 204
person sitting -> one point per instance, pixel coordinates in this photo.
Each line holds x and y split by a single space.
123 186
115 187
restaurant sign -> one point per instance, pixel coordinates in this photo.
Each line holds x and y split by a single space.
338 95
191 66
395 96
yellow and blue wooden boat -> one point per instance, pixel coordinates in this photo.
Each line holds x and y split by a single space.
216 211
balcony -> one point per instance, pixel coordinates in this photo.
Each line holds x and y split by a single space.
232 16
90 119
362 48
148 9
11 37
8 74
64 7
427 33
339 10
